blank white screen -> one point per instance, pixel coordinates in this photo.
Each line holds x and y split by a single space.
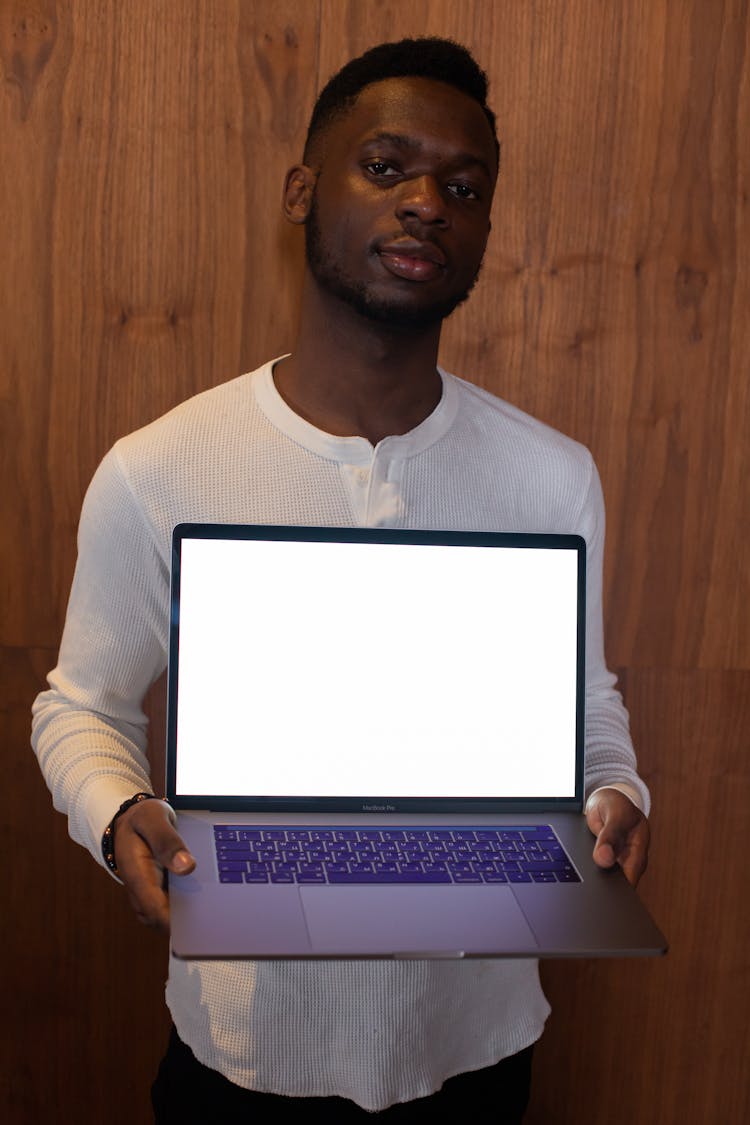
368 669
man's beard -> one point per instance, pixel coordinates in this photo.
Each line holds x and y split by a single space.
331 278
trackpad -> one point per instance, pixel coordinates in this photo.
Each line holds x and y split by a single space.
433 921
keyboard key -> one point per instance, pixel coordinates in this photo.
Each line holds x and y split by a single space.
393 877
236 857
230 876
541 864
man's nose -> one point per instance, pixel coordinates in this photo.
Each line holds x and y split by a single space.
421 198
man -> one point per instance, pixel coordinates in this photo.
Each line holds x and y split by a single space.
358 425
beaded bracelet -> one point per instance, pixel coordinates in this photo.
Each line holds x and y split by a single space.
108 839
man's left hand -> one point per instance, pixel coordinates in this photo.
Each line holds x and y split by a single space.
622 833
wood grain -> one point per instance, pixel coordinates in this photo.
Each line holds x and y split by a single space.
667 1041
82 981
142 149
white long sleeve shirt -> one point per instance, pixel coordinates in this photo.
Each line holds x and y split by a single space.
377 1032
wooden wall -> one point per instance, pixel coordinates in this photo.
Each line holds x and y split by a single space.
143 258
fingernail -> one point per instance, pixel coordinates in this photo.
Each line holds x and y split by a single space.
181 861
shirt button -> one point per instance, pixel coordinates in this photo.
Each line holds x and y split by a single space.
362 475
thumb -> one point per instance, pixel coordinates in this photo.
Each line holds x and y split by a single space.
182 862
608 844
604 853
153 823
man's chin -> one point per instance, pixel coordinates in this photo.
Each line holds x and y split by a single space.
398 315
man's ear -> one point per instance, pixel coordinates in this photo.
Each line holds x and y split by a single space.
296 199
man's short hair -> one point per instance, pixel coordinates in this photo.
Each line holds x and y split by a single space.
442 60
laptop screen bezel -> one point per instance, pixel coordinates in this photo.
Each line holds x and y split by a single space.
371 803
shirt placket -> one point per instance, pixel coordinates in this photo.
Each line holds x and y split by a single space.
375 490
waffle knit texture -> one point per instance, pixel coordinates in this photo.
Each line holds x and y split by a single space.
377 1032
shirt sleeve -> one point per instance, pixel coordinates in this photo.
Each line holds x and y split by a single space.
609 758
89 730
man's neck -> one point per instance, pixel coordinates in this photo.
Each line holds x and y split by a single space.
358 378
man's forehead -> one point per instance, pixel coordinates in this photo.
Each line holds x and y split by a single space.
420 109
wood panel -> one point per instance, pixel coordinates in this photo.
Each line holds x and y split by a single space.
664 1042
612 291
136 152
82 982
142 148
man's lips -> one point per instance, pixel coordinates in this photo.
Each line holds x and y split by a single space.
415 261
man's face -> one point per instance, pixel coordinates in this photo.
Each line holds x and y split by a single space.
399 217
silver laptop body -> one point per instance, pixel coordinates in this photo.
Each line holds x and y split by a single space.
331 687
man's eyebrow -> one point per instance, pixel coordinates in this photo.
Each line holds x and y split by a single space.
411 144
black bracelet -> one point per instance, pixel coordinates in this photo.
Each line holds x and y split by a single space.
108 839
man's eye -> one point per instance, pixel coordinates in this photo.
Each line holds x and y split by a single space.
463 191
379 167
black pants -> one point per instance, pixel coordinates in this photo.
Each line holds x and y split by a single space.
187 1093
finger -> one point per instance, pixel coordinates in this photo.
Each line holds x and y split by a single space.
144 882
634 860
143 877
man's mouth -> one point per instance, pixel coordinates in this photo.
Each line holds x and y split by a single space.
412 260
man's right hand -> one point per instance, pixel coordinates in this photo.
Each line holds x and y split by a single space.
146 847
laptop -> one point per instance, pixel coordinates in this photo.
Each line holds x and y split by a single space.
375 748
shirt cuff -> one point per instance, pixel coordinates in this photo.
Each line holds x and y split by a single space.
623 787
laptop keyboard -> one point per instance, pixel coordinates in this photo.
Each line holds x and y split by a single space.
325 856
